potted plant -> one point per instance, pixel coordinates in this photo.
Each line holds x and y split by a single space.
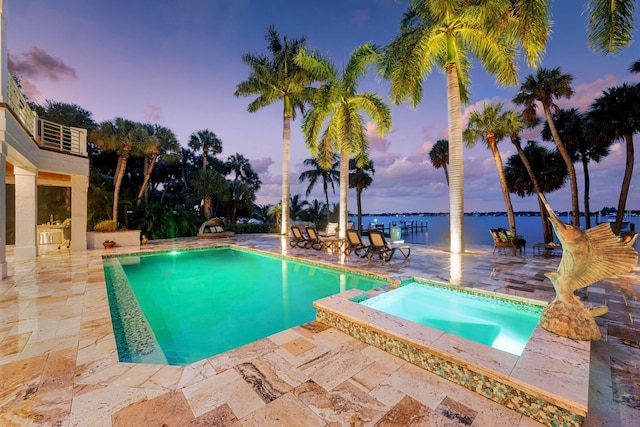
108 244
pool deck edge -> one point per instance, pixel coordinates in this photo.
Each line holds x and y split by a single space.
549 382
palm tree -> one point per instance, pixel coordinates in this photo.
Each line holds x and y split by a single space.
204 186
583 144
273 79
297 206
545 87
314 212
160 141
635 67
535 169
360 178
610 25
275 212
616 113
124 137
439 156
260 213
444 34
338 104
491 126
208 142
240 166
241 198
329 178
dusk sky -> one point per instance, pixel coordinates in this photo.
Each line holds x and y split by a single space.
177 63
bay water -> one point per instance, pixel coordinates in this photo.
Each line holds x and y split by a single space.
433 230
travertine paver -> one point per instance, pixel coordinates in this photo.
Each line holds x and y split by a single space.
59 366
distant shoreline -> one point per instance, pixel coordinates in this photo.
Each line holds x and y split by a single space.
520 213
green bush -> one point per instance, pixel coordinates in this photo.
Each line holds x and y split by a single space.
107 225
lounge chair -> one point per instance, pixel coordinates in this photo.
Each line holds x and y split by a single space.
212 229
330 230
297 238
314 241
504 239
355 244
380 247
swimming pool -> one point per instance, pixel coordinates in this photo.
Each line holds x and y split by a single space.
498 323
179 307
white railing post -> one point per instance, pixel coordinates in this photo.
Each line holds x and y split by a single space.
79 140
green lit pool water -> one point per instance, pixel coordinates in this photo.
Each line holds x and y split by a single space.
183 306
498 322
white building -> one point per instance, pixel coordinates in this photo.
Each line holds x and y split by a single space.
34 153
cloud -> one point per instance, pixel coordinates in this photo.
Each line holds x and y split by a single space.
36 62
376 142
153 113
261 165
585 94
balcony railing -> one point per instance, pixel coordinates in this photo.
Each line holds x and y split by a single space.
20 108
63 138
45 133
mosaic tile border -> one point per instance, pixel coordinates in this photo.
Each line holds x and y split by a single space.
135 339
495 389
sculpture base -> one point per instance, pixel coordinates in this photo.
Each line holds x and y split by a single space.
570 320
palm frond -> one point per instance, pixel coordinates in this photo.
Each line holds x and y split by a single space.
610 25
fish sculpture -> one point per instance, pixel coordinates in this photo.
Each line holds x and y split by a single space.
587 257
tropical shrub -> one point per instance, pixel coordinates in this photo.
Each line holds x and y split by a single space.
106 225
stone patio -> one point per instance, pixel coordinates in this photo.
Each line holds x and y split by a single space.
59 364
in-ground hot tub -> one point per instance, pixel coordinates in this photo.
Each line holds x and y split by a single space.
548 381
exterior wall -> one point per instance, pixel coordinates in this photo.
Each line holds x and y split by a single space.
20 150
122 238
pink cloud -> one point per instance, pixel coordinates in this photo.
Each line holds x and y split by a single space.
36 62
153 113
376 142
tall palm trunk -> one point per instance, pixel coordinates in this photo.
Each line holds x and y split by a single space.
359 201
326 198
205 152
626 182
547 231
206 206
446 173
503 183
587 210
147 176
122 165
456 188
286 160
573 181
344 188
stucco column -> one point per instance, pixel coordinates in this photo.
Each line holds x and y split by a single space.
3 211
79 189
26 213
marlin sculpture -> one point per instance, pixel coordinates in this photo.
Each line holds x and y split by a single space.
587 257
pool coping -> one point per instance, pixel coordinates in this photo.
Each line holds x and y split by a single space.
549 382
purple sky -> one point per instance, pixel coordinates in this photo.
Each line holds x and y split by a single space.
177 64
